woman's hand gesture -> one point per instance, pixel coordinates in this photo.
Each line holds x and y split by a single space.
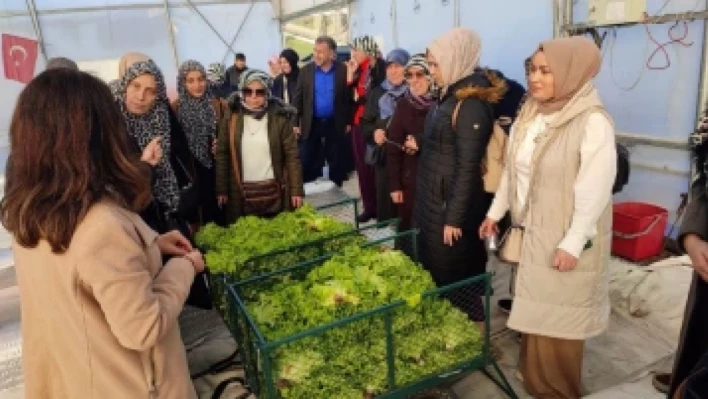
152 154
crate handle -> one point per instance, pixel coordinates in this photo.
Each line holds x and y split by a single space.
646 231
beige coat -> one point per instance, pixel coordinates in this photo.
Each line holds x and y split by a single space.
100 321
567 305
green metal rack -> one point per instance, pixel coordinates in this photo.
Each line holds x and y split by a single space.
260 356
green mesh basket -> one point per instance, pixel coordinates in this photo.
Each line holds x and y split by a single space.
402 347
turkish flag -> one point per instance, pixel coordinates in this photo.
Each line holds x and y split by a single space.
19 57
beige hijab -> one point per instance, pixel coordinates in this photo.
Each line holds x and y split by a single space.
574 61
457 53
129 59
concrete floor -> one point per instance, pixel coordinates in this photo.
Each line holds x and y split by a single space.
617 364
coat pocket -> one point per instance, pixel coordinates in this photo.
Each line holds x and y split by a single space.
148 360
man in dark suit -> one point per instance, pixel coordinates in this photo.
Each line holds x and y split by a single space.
323 102
232 77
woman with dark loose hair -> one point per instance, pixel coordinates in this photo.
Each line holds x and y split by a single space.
99 307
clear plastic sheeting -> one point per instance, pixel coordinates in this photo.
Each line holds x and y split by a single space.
92 32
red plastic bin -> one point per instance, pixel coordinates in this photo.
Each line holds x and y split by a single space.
638 230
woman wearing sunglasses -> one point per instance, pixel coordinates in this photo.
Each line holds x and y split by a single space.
405 129
258 169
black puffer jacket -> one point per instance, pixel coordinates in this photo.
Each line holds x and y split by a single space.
449 188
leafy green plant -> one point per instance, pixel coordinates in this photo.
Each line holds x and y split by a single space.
349 360
238 250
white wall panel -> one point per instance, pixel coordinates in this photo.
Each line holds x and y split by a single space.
13 5
99 35
506 40
663 102
510 30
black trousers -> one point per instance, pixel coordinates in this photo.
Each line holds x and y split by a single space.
323 144
694 334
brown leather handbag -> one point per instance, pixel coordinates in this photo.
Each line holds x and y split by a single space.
512 243
263 198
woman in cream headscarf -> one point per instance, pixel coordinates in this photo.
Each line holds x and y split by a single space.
450 201
558 186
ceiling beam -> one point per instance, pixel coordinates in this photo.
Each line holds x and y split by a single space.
122 7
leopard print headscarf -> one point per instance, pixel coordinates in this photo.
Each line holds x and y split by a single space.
156 123
196 115
699 149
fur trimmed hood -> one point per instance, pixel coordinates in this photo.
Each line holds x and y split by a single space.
484 84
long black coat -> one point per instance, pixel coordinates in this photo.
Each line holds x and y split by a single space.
694 332
449 189
370 122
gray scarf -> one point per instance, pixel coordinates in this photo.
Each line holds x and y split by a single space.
156 123
196 115
387 103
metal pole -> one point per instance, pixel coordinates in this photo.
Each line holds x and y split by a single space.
206 21
240 27
32 8
349 23
703 85
394 25
557 26
702 92
171 31
567 15
456 7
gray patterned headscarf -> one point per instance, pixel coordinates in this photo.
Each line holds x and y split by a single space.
256 75
196 115
367 44
216 74
699 149
156 123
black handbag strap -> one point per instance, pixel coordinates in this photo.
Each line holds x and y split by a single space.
225 383
185 170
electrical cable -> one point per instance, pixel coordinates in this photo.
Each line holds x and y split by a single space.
674 38
612 64
661 47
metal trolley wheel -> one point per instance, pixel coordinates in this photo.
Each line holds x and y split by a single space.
436 393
